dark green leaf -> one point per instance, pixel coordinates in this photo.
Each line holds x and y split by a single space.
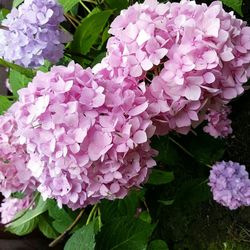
158 177
205 148
236 5
17 81
166 203
68 4
46 228
117 208
193 192
5 103
88 31
98 59
124 233
145 216
118 4
83 238
168 151
62 219
27 72
157 245
26 223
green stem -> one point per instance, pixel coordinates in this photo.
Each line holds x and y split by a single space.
91 214
99 219
85 7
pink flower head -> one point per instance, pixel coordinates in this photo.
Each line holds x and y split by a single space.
87 136
188 54
14 175
218 123
11 206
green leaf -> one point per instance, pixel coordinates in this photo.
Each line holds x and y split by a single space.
18 195
16 3
83 238
17 81
145 216
168 152
193 192
236 5
46 228
166 203
124 233
158 177
118 4
62 219
118 208
157 245
68 4
205 148
27 72
88 31
5 103
26 223
3 14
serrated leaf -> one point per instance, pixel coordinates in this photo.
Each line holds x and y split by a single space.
158 245
5 103
68 4
46 228
236 5
124 233
83 238
61 218
27 72
26 223
88 31
17 81
159 177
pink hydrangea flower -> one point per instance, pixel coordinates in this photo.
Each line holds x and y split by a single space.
14 175
88 138
191 56
218 123
11 206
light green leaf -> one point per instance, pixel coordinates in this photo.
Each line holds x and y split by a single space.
46 228
27 72
62 219
17 81
68 4
236 5
88 31
5 103
124 233
157 245
16 3
26 223
3 14
145 216
158 177
83 238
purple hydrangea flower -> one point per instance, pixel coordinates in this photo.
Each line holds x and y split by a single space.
32 33
230 184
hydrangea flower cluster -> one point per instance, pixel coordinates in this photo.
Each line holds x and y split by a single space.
11 206
14 176
88 138
219 125
230 184
193 57
32 35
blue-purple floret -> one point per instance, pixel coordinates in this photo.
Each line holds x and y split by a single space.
32 33
230 184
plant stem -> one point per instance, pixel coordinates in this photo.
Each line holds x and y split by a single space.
85 7
61 236
91 214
